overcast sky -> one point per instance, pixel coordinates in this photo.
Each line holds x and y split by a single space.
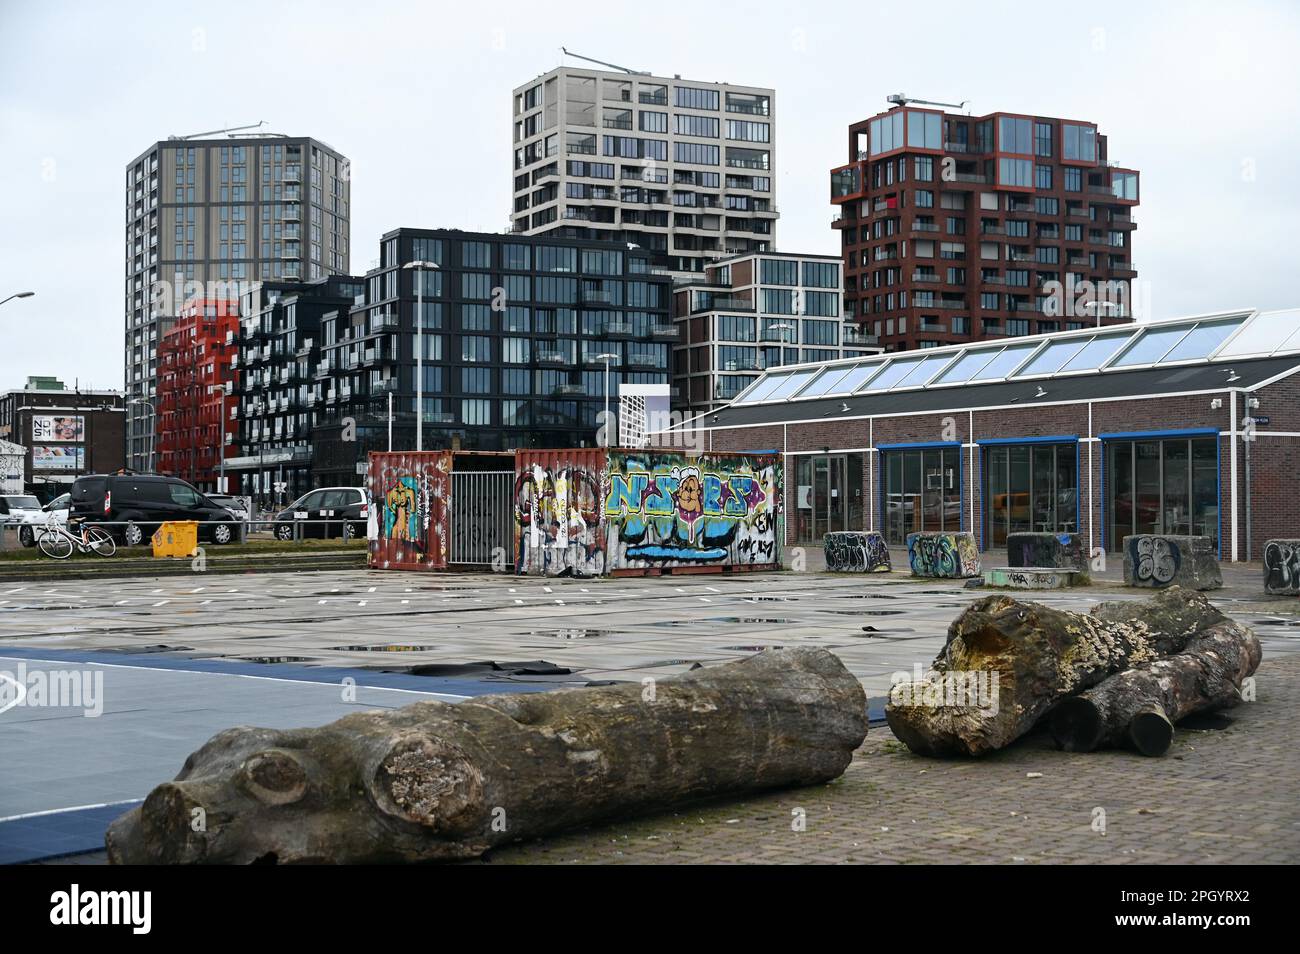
1204 99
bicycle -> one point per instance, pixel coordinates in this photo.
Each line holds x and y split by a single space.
58 542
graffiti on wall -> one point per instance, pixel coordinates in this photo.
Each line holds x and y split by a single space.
410 494
950 555
1282 566
665 509
558 529
1155 559
856 552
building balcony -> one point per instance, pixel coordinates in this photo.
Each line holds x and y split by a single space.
618 329
642 361
925 227
925 277
664 331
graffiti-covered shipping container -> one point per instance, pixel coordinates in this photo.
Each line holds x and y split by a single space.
410 494
618 512
559 497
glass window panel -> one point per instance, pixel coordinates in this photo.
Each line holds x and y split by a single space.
893 373
924 371
1150 347
1004 363
1205 488
826 381
791 384
764 387
968 364
1175 513
1203 339
1095 352
1051 358
859 376
1265 333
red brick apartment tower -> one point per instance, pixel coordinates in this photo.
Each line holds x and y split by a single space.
959 228
194 368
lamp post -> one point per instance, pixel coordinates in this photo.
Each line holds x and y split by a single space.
152 415
607 357
17 295
782 327
224 388
421 267
1099 305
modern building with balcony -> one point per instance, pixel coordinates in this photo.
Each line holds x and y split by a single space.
516 333
683 169
207 216
959 228
196 361
280 394
755 312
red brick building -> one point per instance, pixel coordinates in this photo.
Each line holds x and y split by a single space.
1183 426
959 228
194 369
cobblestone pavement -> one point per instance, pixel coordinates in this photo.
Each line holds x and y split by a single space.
1220 796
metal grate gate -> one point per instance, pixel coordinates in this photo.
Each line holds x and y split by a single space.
482 517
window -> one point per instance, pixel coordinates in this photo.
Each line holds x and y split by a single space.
654 122
685 124
924 130
748 131
925 168
476 255
922 489
1043 140
476 380
735 328
1079 142
476 411
1014 135
551 258
1073 179
475 285
924 199
1042 177
1161 486
475 348
515 257
778 301
1030 487
1015 172
1046 205
886 133
776 271
696 153
821 274
690 97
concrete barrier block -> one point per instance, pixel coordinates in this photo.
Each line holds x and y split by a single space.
1059 550
1159 560
1282 567
856 552
1033 578
949 555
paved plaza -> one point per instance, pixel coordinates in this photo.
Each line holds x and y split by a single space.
183 657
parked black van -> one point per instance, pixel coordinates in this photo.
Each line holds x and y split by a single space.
135 504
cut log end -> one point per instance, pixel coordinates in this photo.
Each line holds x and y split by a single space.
1077 725
1151 733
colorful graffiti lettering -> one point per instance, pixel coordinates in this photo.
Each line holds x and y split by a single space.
948 555
557 521
665 510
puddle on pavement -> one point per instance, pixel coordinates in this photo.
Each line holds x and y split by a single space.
739 620
271 660
389 648
749 649
571 633
770 599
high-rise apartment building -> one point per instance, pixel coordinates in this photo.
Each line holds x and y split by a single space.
205 216
683 169
958 228
753 313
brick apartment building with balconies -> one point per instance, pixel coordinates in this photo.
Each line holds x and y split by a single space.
959 228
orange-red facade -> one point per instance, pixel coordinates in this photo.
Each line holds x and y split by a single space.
194 373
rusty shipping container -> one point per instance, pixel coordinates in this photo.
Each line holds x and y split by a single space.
410 494
558 500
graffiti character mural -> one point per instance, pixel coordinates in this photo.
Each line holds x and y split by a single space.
411 493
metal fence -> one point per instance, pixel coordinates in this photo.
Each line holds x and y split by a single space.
482 516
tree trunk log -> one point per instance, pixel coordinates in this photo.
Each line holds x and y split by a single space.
436 781
1138 707
1006 663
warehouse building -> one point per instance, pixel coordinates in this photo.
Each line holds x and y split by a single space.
1182 426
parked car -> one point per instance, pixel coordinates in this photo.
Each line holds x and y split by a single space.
133 505
234 504
56 512
24 512
328 512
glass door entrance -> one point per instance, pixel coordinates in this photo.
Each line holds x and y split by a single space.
828 496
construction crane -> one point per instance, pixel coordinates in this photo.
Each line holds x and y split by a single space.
612 66
232 129
898 99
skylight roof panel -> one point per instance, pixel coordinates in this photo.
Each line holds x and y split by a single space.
1052 358
1005 362
791 384
1097 351
764 388
1150 346
895 372
927 369
1265 333
970 363
1203 339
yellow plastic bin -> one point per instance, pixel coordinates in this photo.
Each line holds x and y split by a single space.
176 538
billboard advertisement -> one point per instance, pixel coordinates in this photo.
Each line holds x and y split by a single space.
49 429
46 457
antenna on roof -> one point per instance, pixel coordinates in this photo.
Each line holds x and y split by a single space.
898 99
612 66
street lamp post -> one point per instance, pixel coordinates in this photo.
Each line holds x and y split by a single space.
607 357
421 267
782 327
152 424
17 295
